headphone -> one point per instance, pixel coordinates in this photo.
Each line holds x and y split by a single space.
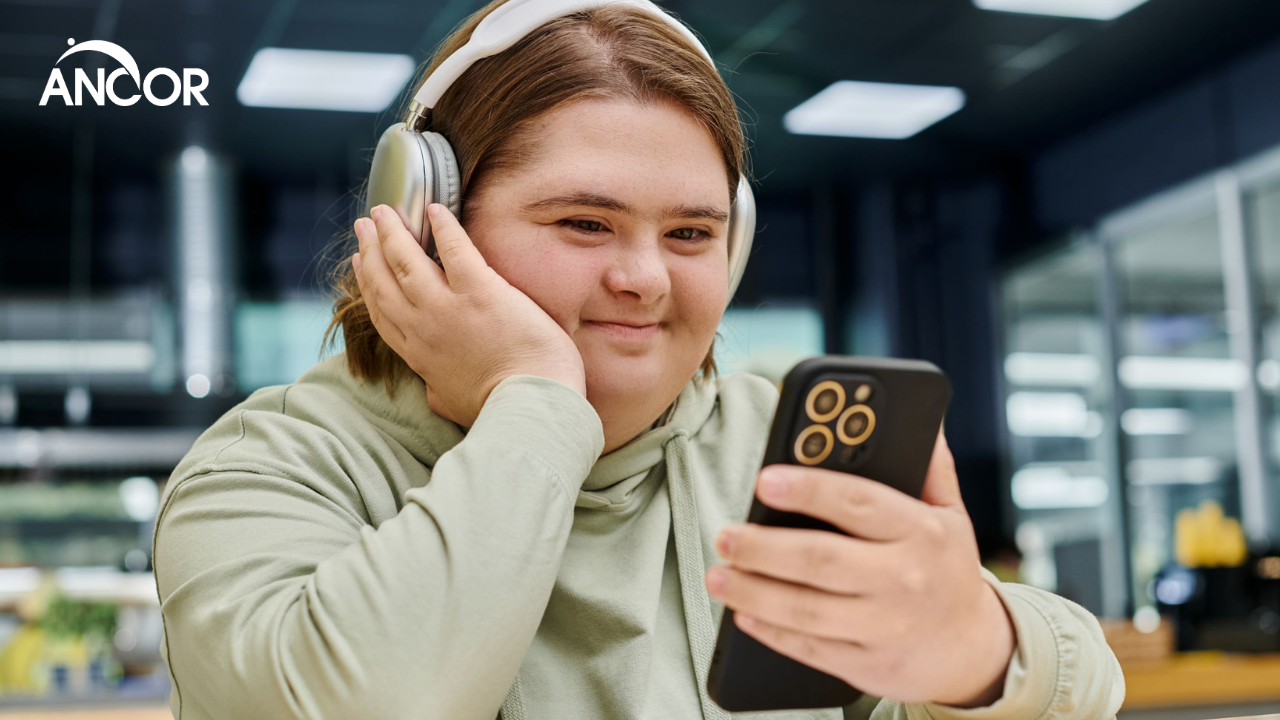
413 168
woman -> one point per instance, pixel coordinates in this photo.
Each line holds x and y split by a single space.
509 494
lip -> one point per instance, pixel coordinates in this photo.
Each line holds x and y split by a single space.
623 331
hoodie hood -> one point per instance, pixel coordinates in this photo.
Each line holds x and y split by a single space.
621 484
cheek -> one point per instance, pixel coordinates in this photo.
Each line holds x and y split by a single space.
701 287
559 282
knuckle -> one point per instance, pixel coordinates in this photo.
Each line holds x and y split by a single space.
402 269
808 647
894 665
820 558
805 612
913 580
852 498
449 252
934 529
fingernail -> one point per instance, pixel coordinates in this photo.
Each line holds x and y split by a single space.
433 209
724 543
773 484
373 212
715 579
746 622
355 262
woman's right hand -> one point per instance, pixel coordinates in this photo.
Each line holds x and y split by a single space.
463 329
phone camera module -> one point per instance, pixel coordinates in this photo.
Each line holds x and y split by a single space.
825 401
856 425
814 444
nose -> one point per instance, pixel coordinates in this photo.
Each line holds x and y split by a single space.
639 271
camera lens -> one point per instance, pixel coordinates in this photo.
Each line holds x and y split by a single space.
856 425
825 401
814 444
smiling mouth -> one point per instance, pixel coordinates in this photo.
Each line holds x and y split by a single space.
627 332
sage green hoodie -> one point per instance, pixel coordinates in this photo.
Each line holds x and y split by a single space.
326 550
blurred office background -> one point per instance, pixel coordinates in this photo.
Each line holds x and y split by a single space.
1073 208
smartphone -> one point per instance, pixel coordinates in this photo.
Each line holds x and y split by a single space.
873 417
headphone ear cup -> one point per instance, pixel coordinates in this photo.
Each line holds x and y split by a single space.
447 189
742 230
401 178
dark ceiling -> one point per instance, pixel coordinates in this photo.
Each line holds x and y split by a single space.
1029 79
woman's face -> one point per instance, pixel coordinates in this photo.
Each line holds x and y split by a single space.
617 228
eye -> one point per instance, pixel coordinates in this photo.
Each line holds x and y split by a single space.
589 227
693 234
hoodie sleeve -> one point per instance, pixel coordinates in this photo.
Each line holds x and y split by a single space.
279 602
1062 668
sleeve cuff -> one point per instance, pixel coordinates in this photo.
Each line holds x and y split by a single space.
546 419
1031 681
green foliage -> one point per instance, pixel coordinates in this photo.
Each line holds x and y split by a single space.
71 618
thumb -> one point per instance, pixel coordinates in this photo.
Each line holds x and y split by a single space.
941 485
462 262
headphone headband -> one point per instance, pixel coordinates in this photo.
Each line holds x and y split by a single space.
513 20
413 167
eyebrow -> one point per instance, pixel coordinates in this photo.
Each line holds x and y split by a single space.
604 202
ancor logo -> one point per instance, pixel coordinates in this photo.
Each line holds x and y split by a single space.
105 88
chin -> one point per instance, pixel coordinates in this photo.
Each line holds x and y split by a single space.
636 379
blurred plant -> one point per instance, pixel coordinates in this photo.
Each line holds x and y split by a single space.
71 618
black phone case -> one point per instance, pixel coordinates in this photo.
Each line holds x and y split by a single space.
909 399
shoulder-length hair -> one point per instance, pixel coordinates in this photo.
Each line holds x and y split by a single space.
609 52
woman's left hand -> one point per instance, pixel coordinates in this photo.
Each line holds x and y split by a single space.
899 610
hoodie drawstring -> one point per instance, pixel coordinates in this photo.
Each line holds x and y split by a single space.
693 588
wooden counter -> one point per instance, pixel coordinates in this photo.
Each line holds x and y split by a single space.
1185 679
1203 678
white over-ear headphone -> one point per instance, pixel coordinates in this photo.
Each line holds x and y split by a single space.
413 168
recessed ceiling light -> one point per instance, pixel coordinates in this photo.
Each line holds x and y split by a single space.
1091 9
849 108
323 79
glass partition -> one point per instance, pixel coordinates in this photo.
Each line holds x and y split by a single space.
1263 213
1178 377
1058 409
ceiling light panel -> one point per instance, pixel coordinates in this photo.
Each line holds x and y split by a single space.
850 108
323 79
1090 9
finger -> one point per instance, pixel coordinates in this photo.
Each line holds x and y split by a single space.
941 484
816 558
833 657
861 507
413 270
387 330
377 274
370 294
795 607
462 262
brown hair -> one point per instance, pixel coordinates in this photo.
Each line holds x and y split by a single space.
609 52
